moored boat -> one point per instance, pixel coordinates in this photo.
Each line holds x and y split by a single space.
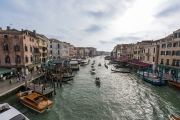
34 101
93 71
174 84
172 117
8 112
99 64
123 71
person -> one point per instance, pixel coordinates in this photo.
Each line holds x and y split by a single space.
23 77
29 92
17 79
10 82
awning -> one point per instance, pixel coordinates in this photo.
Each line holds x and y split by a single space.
30 67
5 71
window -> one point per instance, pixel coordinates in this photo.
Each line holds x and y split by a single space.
7 59
175 44
169 45
32 40
6 47
16 48
177 53
54 57
50 46
167 62
162 52
154 50
163 45
26 59
30 48
25 48
162 61
31 58
51 51
58 51
168 52
17 60
5 36
148 50
58 45
153 58
24 37
175 35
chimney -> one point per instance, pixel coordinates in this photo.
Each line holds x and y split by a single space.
34 32
8 28
22 30
0 29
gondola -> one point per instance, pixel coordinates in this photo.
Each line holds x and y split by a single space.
97 81
120 71
172 117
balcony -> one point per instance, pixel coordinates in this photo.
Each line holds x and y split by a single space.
148 54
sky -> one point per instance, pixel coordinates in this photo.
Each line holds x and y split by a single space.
93 23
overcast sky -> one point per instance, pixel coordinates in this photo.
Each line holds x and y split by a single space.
93 23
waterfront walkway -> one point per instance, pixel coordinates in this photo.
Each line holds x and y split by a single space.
5 86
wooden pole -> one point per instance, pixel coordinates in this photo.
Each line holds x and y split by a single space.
42 89
54 89
26 83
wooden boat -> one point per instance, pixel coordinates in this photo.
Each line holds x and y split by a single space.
99 64
105 65
8 112
123 71
97 81
35 101
71 76
172 117
93 71
174 84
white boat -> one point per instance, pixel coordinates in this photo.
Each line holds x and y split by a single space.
8 112
93 71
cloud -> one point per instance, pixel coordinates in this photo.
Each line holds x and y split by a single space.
94 28
56 37
124 38
168 11
106 42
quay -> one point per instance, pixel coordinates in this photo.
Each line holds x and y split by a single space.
6 88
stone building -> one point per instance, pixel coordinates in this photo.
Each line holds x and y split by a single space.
19 49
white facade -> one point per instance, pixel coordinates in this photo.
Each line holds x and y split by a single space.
55 49
64 50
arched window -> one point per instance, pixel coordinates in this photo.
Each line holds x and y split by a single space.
7 59
16 48
31 58
30 48
26 59
25 48
154 50
18 59
6 47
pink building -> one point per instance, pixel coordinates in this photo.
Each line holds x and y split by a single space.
19 49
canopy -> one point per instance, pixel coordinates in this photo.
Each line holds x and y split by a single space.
5 71
141 64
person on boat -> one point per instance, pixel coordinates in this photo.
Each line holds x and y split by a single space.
29 92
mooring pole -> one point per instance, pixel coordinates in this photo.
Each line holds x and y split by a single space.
54 89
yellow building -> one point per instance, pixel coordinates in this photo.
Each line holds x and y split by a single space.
138 47
43 45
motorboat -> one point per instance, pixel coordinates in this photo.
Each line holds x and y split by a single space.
35 101
93 71
106 65
97 81
122 71
7 112
172 117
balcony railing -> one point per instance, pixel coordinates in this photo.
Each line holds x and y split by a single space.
148 54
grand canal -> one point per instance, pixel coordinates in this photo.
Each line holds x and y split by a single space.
119 97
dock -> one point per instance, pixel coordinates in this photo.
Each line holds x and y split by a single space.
39 89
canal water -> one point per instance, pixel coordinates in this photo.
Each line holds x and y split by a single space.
118 97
